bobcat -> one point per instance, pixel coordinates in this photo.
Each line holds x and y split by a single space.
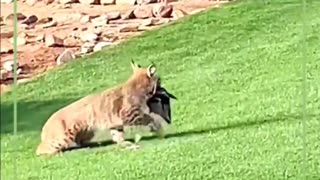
112 109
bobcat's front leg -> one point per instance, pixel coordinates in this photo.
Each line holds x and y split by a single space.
117 135
157 130
156 126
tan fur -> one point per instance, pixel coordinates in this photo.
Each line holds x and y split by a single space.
114 108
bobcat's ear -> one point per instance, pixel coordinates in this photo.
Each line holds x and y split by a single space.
134 65
151 71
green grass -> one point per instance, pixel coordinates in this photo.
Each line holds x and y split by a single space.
237 72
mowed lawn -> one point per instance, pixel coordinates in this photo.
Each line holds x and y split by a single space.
237 73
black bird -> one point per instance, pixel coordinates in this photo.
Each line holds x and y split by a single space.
160 102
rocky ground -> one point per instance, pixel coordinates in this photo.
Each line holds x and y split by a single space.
53 32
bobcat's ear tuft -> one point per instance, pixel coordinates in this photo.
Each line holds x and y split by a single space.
151 70
134 65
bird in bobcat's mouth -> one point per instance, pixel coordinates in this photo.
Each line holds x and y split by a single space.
159 103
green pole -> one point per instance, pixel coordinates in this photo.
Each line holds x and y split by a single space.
304 92
15 33
14 91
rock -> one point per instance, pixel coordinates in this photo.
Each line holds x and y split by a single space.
143 2
72 42
24 80
47 2
67 1
75 34
71 17
149 22
88 36
35 38
64 57
113 15
1 21
6 48
39 37
20 40
100 21
23 34
88 2
162 10
87 47
31 2
197 11
19 70
44 20
89 44
127 2
109 37
30 20
21 17
6 1
2 74
100 45
162 21
47 22
24 26
9 65
84 29
8 34
64 6
107 2
178 13
50 24
9 19
128 15
85 19
144 28
143 12
97 31
85 50
51 40
129 27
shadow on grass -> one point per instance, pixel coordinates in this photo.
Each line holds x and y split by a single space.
279 118
31 115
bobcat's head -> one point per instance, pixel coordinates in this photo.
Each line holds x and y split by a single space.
143 81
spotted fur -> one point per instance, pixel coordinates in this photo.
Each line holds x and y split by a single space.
112 109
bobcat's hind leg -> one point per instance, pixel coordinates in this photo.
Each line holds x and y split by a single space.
56 145
46 149
53 147
83 138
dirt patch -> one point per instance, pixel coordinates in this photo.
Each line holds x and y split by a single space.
53 32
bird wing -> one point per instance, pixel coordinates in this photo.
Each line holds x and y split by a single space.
160 103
